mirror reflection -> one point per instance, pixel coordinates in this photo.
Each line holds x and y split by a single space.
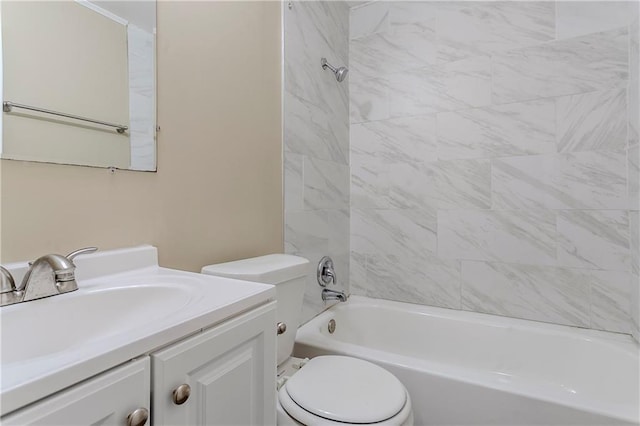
79 82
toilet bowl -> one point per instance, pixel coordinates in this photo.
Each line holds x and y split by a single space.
339 390
330 389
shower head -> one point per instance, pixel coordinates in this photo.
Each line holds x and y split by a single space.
340 73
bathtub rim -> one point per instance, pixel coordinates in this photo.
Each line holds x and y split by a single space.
310 335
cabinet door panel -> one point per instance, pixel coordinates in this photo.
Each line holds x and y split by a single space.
104 400
230 369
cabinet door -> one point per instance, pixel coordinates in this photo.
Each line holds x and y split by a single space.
106 399
230 369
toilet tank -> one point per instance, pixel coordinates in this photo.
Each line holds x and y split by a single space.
287 273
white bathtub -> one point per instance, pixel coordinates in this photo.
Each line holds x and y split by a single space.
466 368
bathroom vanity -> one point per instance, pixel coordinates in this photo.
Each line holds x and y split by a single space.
140 344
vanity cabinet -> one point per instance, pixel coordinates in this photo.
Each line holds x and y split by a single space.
229 370
106 399
222 376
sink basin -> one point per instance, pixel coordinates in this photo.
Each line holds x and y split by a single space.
125 306
54 324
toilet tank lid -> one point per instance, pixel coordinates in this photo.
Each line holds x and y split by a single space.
269 269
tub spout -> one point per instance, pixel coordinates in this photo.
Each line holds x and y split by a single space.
333 295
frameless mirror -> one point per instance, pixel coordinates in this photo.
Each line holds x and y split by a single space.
78 82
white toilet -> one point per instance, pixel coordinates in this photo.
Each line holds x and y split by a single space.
328 390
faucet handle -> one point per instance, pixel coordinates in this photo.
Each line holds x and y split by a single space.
78 252
326 273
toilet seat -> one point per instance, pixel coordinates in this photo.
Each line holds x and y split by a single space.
343 390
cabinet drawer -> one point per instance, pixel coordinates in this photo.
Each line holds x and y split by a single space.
106 399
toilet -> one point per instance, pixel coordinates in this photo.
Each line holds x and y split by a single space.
329 389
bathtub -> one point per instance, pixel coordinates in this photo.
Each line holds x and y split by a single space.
465 368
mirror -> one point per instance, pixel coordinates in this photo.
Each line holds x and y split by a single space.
79 82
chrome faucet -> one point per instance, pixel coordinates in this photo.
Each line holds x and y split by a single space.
8 291
49 275
326 273
328 295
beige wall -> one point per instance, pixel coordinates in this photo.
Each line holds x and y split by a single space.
217 194
38 72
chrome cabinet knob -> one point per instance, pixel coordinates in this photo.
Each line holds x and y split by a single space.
138 417
282 327
181 394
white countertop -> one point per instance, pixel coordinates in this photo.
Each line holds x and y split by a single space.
33 367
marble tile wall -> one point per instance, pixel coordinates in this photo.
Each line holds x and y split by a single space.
316 141
633 170
493 166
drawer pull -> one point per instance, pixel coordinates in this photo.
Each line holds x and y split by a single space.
138 417
282 327
181 394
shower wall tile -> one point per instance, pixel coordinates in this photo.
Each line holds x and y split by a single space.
339 232
369 183
326 184
594 179
405 140
358 273
541 293
293 186
336 28
312 235
412 16
581 180
634 221
369 169
341 265
310 131
527 237
381 54
498 131
526 183
633 163
576 18
463 184
306 232
413 92
456 85
635 307
401 233
369 100
369 19
597 239
634 76
610 300
302 73
412 187
470 28
423 280
592 121
316 141
564 67
320 25
633 148
634 241
494 158
466 83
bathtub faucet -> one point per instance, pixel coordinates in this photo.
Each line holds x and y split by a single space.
333 295
326 273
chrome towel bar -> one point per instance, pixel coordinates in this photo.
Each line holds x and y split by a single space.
8 106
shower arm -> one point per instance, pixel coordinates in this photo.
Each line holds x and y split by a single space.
326 65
